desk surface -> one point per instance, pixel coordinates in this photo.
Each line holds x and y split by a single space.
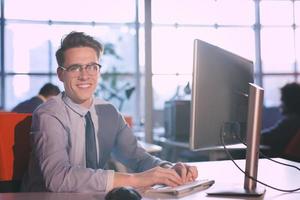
174 143
150 148
223 172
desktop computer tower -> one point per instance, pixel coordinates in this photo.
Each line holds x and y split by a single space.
177 120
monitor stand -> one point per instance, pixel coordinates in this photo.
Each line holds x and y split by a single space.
250 188
235 191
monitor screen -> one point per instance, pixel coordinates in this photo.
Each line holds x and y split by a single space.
219 103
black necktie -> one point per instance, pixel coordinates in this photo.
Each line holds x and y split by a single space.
90 143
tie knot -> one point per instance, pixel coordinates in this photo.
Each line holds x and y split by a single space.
88 115
88 121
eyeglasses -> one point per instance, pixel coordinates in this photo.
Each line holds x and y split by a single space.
75 69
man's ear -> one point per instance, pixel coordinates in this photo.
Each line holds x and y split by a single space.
59 72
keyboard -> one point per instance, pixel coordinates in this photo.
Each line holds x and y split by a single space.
181 190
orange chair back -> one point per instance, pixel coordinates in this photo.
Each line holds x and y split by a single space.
129 120
14 145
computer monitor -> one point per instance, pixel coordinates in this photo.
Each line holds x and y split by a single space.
225 104
220 88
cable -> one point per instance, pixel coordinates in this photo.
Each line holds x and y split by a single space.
231 158
262 154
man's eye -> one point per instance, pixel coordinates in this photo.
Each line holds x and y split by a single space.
93 67
89 67
74 68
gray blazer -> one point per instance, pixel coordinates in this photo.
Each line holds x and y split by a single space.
58 147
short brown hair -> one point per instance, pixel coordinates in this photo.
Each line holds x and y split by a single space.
77 39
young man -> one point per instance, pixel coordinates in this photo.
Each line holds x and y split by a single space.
28 106
65 157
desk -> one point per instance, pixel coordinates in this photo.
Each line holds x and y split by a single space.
173 149
226 174
223 172
150 148
51 196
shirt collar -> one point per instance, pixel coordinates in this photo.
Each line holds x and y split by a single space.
80 110
42 98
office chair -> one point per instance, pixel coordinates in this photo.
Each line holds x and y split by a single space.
292 150
14 149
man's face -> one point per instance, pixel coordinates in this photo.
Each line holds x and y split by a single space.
79 86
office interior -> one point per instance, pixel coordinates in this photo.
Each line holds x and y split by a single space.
148 57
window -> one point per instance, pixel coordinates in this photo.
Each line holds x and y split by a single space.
32 36
113 11
279 46
228 24
277 49
174 33
33 30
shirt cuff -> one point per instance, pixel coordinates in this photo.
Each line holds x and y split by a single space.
110 180
166 164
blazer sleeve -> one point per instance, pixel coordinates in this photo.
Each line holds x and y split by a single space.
129 152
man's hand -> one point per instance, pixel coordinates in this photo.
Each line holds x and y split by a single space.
156 175
173 176
186 172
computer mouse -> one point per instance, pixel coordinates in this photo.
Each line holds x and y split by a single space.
123 193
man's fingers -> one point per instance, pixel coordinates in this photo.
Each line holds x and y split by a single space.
192 172
181 170
158 175
179 174
169 175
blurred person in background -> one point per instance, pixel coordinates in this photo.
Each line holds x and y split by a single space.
278 136
28 106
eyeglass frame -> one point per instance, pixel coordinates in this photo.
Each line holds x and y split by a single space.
80 67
